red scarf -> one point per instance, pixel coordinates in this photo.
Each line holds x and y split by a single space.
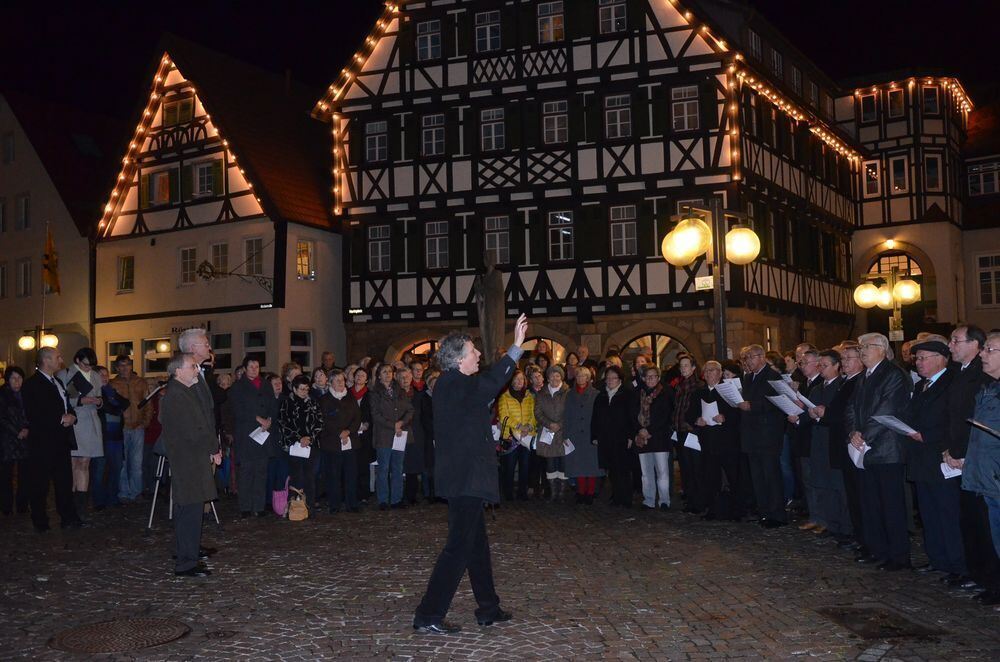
257 381
581 389
418 384
359 394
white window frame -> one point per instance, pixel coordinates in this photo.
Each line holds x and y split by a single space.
253 256
126 267
187 260
867 169
756 48
985 175
871 99
22 274
306 270
685 108
379 249
624 238
492 130
893 161
994 269
488 31
432 135
377 141
219 252
551 22
618 116
928 182
555 122
436 245
428 40
198 189
777 64
924 99
561 235
897 92
497 239
612 16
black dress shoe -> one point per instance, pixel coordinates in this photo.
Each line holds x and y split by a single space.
894 566
444 627
500 617
197 571
398 506
866 559
773 523
988 598
926 568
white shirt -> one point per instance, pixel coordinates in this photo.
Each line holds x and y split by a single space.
62 391
872 369
612 392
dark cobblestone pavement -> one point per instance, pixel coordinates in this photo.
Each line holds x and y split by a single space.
584 583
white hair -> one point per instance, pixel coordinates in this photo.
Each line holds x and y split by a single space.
877 339
188 336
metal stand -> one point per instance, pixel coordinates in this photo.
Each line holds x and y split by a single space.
156 490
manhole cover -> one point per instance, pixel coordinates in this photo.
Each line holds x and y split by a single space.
875 622
130 634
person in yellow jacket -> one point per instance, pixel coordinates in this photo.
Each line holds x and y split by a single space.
516 413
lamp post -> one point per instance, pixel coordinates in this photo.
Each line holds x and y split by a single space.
692 236
37 337
896 292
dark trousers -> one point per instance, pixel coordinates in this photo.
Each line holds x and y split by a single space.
516 460
620 461
467 548
105 475
768 488
341 479
714 465
691 462
7 497
852 490
536 474
51 466
187 533
938 503
883 498
302 474
250 483
411 488
980 556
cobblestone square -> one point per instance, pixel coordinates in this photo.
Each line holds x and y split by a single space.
583 583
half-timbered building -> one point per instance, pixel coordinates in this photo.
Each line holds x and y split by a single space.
557 139
220 217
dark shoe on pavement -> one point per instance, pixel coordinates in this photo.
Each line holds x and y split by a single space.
261 513
926 568
500 617
197 571
444 627
383 506
866 559
398 506
894 566
988 598
245 514
773 523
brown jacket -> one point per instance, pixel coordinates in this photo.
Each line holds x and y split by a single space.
134 390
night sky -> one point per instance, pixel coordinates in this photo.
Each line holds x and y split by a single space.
99 54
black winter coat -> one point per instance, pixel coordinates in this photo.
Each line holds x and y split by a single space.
614 424
338 415
801 433
885 393
413 460
247 402
299 417
465 458
762 429
962 403
661 420
12 421
189 439
44 408
835 419
722 439
927 413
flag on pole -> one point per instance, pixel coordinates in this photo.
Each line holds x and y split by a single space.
50 264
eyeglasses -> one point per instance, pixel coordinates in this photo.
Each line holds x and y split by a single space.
990 350
871 345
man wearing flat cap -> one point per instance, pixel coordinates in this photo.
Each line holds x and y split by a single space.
937 497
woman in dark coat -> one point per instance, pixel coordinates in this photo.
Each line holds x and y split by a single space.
655 423
253 404
301 423
13 441
392 414
719 437
581 465
414 464
613 425
364 452
341 422
688 458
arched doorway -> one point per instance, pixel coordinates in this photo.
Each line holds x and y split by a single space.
557 350
914 314
423 350
664 348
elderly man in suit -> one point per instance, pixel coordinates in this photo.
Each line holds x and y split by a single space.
883 391
800 434
50 440
192 448
762 428
937 497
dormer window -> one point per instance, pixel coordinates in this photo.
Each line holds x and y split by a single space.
178 112
932 104
896 103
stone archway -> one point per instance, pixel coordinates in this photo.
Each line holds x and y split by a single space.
688 339
404 341
864 261
914 315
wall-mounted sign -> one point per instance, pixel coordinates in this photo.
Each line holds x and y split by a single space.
702 283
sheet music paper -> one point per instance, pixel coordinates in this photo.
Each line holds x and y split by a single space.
709 410
730 393
784 404
546 436
783 388
691 441
894 424
260 435
399 441
948 472
858 455
298 450
568 446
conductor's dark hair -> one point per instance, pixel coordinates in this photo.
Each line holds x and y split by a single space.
451 349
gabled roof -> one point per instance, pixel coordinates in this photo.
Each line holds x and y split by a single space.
77 150
265 120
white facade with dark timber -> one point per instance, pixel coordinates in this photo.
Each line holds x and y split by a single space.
561 137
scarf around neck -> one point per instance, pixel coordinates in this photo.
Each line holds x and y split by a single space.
645 403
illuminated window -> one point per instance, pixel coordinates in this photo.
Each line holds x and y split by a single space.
550 22
873 182
663 348
154 362
883 264
932 104
428 40
432 135
896 103
491 127
618 116
126 273
436 244
378 248
623 231
487 31
498 238
305 260
611 15
684 107
376 141
189 262
561 235
555 122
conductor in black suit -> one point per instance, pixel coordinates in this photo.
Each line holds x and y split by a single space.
465 473
50 440
762 427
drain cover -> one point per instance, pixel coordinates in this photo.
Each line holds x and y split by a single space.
875 622
130 634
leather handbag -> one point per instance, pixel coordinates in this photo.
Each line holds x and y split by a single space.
297 508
